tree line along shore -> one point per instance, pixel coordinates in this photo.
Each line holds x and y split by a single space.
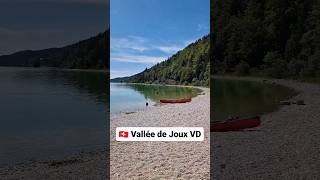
274 38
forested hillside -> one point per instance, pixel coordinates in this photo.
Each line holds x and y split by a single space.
274 38
92 53
188 66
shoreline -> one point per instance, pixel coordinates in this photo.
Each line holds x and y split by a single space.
163 160
93 164
157 104
286 145
56 68
174 85
84 70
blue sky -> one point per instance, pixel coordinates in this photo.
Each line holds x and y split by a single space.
144 32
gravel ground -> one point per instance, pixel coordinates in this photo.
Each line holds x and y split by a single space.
285 146
163 160
86 166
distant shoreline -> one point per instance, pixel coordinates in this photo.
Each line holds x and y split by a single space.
56 68
174 85
87 70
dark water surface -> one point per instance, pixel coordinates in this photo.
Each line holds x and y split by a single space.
47 113
245 99
131 97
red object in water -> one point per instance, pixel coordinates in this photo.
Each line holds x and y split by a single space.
175 100
235 125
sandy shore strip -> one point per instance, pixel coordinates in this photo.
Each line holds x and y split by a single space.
285 146
163 160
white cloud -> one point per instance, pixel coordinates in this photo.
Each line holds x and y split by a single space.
133 58
169 49
140 44
134 49
131 42
119 73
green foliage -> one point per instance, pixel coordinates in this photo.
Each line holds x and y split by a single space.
274 65
243 69
276 38
190 66
92 53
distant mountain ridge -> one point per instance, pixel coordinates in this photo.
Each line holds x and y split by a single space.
92 53
190 66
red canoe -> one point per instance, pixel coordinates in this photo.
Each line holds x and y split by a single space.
175 100
235 125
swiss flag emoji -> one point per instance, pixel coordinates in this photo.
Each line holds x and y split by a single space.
124 134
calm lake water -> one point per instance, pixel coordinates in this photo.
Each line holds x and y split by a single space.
245 99
47 113
131 97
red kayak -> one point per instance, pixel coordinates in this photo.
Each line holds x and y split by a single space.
235 125
175 100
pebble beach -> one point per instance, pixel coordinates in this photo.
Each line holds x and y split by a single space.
285 146
163 160
81 166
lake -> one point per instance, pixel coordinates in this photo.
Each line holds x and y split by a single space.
49 113
245 99
131 97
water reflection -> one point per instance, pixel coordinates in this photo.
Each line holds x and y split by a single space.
94 84
240 98
51 113
126 97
